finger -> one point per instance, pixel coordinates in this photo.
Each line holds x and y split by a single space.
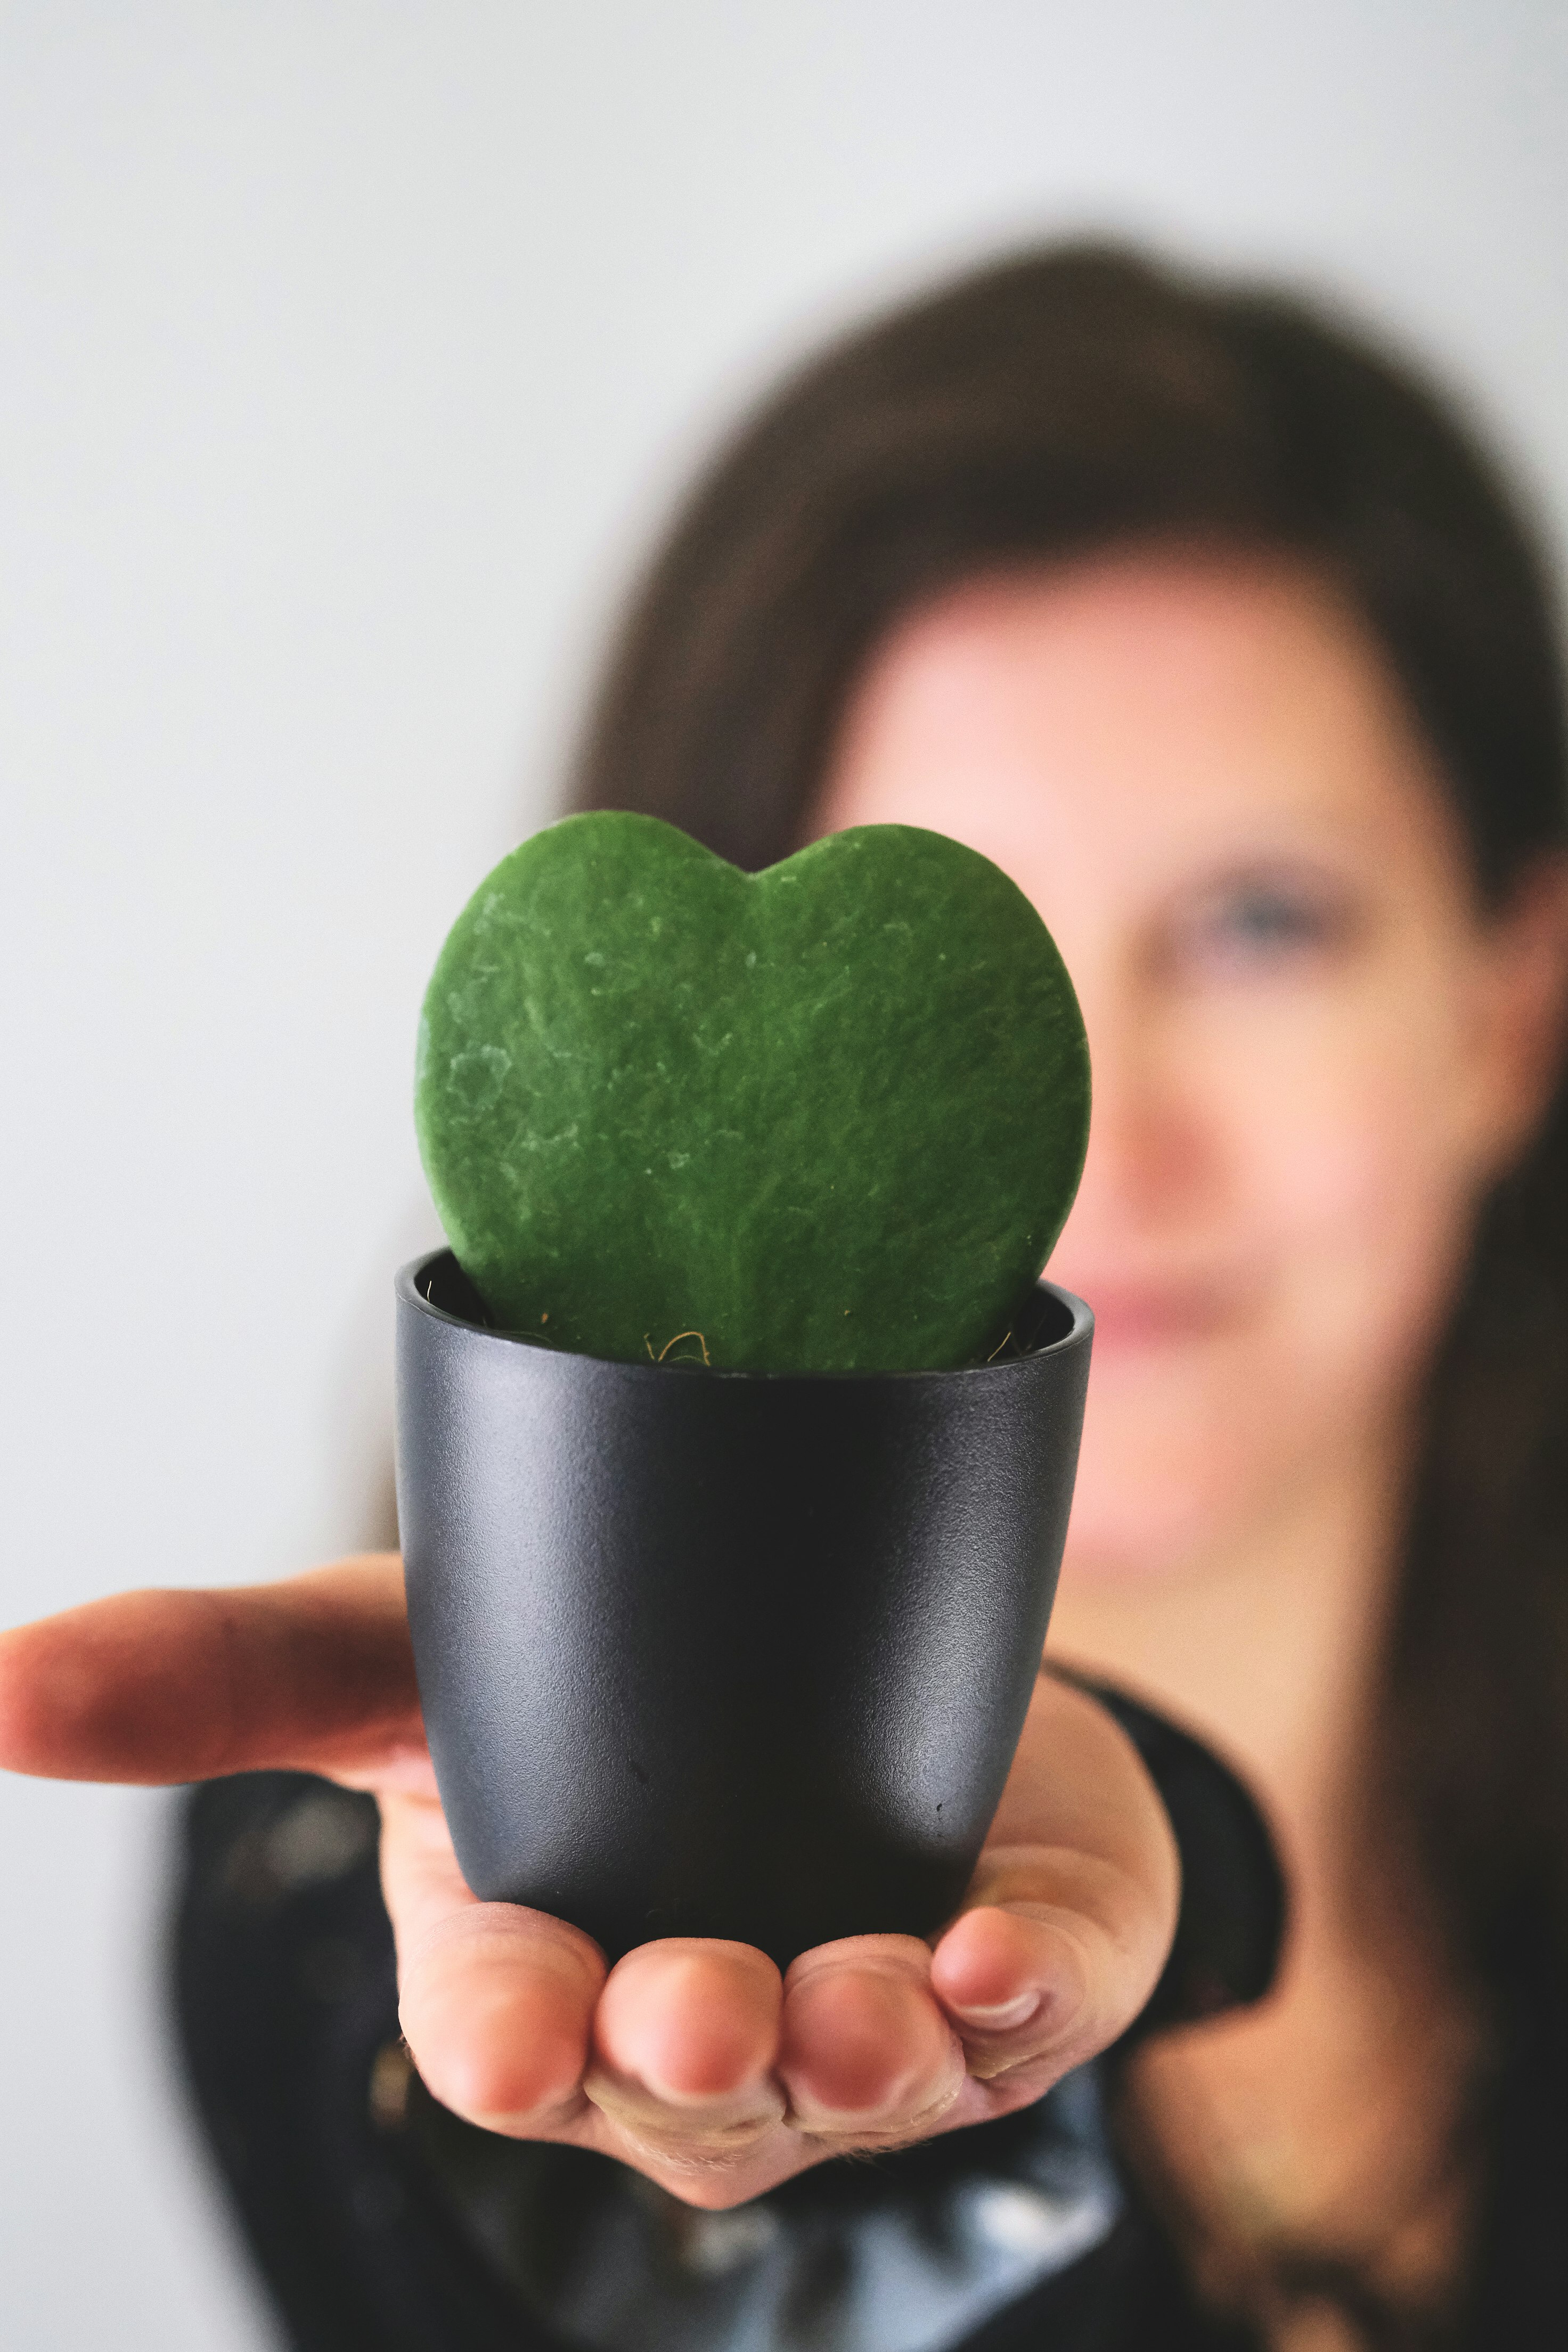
1067 1924
315 1672
496 2002
1031 1989
867 2055
686 2040
1053 1958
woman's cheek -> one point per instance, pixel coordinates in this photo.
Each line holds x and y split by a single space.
1342 1207
1363 1192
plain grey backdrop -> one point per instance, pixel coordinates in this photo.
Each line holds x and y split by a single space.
351 348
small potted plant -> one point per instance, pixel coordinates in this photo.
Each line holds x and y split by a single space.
736 1430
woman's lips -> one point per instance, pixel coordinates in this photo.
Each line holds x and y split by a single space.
1133 1317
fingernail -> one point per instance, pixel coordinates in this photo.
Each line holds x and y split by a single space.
892 2117
661 2120
1002 2016
645 2105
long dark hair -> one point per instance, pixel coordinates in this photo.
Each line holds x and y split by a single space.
1063 402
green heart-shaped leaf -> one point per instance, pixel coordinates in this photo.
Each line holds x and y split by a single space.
827 1118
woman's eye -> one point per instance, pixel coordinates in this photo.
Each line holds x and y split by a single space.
1258 925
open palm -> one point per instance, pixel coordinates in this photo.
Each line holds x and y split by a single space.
693 2060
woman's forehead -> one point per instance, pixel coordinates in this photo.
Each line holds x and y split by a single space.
1157 701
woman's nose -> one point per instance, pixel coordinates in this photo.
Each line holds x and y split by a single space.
1151 1163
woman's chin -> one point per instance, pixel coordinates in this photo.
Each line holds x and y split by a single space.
1193 1446
1160 1497
1137 1546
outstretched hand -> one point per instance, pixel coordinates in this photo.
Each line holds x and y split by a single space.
692 2060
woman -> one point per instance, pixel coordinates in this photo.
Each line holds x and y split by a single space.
1213 630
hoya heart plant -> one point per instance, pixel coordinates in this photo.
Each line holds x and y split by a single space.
828 1118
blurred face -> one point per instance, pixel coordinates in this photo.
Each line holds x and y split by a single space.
1312 1050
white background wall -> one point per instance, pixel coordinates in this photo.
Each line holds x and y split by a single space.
350 347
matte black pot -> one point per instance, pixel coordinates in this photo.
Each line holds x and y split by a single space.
725 1654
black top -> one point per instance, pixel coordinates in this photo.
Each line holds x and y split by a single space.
383 2223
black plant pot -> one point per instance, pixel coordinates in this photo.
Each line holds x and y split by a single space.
726 1653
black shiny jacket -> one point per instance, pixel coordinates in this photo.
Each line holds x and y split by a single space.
382 2223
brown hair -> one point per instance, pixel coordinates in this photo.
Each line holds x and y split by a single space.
1062 402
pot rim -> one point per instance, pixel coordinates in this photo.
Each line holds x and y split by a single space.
410 1292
